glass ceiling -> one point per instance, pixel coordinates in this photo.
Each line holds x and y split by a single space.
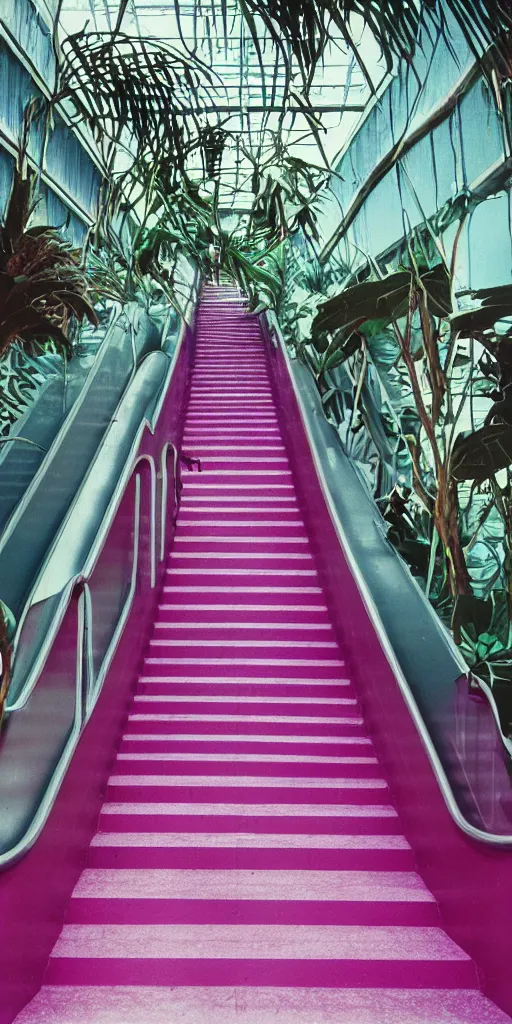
243 101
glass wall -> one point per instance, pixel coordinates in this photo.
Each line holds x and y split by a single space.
68 168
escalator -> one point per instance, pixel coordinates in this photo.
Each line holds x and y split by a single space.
249 865
68 423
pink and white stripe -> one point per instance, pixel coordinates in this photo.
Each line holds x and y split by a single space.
249 867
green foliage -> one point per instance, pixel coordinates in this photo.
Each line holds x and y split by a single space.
383 301
286 190
482 453
43 290
108 275
23 369
41 284
495 305
305 26
409 530
259 275
182 219
392 368
487 647
362 314
133 89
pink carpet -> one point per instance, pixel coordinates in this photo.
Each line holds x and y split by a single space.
249 867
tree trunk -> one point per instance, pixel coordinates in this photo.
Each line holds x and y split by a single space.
447 502
5 678
447 525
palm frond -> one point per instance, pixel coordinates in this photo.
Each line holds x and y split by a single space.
134 85
306 26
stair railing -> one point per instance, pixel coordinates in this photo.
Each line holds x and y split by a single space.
70 631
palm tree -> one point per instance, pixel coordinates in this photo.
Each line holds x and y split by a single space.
305 27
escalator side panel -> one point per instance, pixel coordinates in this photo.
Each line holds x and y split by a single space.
27 540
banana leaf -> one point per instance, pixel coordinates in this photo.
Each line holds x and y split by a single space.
496 304
437 286
262 285
384 300
479 455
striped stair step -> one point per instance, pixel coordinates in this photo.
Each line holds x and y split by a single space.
249 866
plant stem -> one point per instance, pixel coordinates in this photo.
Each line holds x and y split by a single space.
446 504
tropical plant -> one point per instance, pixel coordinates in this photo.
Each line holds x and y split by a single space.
23 369
184 219
413 301
487 647
285 191
42 287
300 30
133 92
399 372
259 274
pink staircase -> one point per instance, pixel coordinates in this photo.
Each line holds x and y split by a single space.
248 867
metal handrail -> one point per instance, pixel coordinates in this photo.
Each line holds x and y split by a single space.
61 433
38 821
87 696
163 500
95 684
44 650
53 561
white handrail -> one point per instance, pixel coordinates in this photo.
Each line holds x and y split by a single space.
87 697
